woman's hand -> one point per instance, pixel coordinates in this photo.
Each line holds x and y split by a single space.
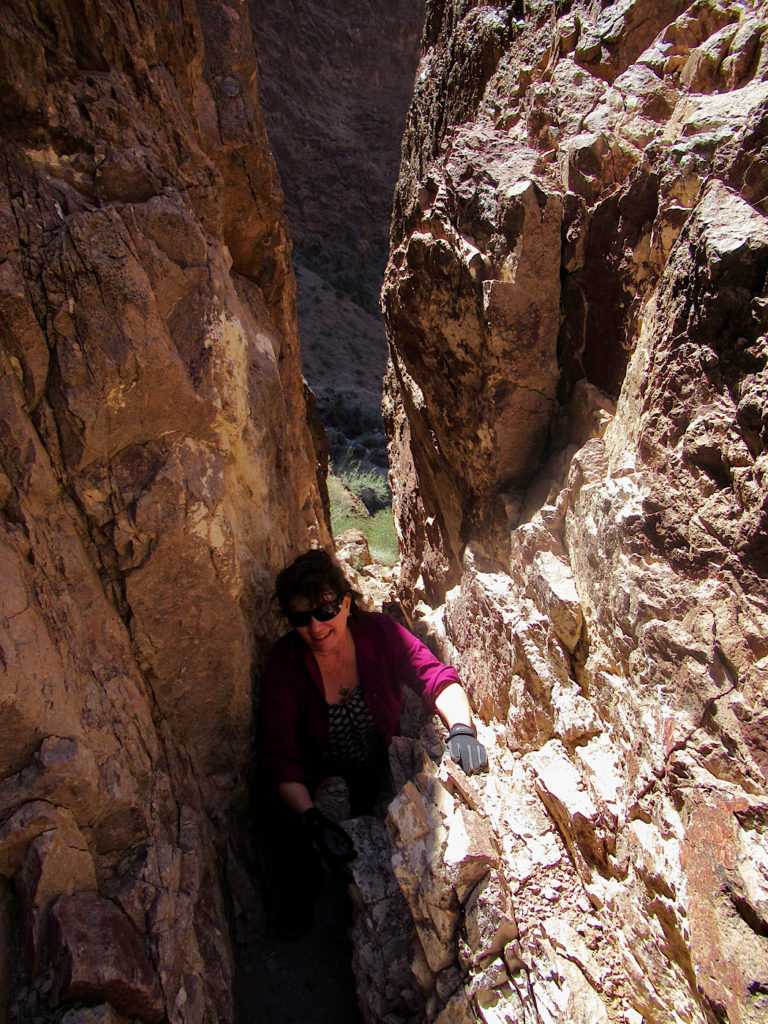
296 795
330 841
467 750
463 745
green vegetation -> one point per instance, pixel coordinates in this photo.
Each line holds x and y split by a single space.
358 491
360 500
381 537
370 485
379 531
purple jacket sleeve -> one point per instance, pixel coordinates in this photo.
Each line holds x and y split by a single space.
294 717
419 669
280 708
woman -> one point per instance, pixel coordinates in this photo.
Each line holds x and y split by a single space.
332 697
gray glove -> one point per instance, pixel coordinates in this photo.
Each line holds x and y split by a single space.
465 748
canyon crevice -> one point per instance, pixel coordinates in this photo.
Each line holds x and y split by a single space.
335 87
577 411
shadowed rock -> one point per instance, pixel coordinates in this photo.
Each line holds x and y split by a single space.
157 468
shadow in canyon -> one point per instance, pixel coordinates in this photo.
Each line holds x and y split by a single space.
335 84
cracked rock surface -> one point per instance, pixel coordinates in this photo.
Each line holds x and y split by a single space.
576 410
157 467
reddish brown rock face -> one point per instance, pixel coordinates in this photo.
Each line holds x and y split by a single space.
156 469
576 407
99 956
577 411
729 959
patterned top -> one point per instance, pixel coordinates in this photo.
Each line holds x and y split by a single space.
294 713
353 739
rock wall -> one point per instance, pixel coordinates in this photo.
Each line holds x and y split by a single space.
577 412
157 466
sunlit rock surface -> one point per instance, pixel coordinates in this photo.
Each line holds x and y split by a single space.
156 469
577 412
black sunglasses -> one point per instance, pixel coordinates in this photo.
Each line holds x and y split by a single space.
322 613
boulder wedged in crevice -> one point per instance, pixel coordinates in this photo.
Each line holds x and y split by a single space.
441 930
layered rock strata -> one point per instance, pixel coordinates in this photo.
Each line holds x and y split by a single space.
577 410
157 466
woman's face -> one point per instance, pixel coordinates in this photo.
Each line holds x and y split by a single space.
323 637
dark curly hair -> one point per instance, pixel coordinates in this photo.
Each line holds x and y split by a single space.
311 576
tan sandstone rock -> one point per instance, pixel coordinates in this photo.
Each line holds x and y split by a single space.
158 468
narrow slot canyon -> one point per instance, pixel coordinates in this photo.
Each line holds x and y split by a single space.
494 273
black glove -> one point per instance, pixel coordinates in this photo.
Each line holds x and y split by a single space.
465 748
330 841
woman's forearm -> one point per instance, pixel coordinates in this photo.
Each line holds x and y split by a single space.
296 795
453 707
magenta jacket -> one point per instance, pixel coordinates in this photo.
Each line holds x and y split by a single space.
294 713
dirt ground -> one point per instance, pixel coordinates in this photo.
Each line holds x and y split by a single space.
307 981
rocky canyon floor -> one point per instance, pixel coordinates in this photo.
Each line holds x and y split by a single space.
306 981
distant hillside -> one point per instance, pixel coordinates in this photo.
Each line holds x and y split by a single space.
335 83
